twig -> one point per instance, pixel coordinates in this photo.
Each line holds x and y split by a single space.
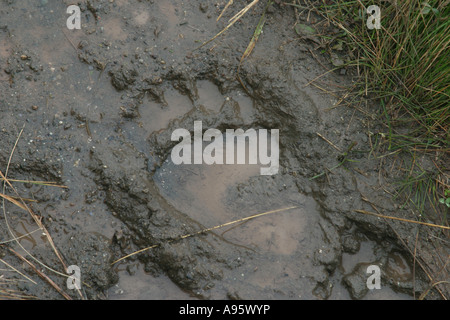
331 144
317 59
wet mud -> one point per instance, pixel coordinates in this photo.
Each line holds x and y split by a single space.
98 107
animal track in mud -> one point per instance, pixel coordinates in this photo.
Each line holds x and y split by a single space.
285 255
306 246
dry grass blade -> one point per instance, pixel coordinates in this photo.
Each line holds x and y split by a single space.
224 9
206 230
42 183
12 200
14 269
238 15
231 22
24 199
10 294
36 218
401 219
256 34
43 275
25 207
20 237
252 44
329 142
425 293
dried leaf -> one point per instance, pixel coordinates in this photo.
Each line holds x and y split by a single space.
304 30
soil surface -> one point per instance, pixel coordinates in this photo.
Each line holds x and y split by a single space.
98 107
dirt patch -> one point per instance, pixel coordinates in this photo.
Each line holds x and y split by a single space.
99 113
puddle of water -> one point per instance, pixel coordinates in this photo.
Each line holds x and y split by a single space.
200 191
366 254
141 18
284 243
168 10
398 268
32 31
155 116
245 105
113 28
205 193
385 293
211 98
143 286
28 234
209 95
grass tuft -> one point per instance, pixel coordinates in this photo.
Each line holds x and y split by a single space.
405 66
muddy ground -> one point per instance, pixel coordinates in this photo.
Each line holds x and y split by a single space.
98 107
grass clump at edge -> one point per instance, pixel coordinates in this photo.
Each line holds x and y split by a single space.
405 64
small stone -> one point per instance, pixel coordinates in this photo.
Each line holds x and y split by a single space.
203 7
336 60
350 244
356 281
